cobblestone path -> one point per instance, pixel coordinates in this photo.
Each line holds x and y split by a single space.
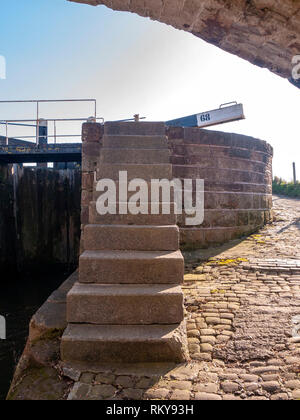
243 314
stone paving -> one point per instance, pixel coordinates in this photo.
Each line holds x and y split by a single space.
243 314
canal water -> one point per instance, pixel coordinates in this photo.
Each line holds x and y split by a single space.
20 297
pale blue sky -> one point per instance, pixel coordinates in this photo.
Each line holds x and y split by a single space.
57 49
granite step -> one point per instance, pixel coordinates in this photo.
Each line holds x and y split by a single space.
123 304
124 343
131 267
131 238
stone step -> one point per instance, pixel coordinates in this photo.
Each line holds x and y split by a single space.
124 343
131 238
123 304
135 142
136 267
135 128
143 171
134 156
135 219
124 187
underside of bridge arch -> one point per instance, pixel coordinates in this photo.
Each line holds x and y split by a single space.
264 32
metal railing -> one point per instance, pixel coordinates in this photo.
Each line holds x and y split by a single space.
39 122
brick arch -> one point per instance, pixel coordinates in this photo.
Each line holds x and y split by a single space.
264 32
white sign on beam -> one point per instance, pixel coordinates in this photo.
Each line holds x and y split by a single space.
222 115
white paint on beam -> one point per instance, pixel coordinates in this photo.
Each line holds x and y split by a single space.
221 115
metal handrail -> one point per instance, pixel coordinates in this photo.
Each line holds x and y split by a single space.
15 124
50 119
37 119
51 136
55 135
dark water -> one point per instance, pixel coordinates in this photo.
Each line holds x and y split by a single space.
20 297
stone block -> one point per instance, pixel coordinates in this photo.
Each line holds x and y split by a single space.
140 171
150 186
92 132
125 267
128 142
125 304
88 181
135 156
86 197
125 343
84 215
133 128
134 219
138 238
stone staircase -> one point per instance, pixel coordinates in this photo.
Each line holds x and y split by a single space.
128 304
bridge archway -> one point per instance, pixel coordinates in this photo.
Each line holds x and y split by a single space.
264 32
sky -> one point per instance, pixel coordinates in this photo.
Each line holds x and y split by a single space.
55 49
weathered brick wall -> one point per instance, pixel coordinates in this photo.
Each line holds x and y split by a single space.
237 171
